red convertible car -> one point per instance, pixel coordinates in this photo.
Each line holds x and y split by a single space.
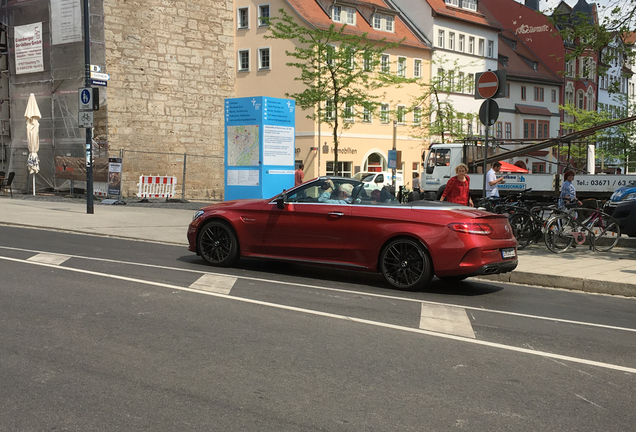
334 221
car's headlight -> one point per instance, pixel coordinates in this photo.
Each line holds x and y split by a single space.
629 197
197 214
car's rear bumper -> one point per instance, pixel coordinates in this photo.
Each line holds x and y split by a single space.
502 267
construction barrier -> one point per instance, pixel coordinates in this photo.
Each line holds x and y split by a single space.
156 186
100 189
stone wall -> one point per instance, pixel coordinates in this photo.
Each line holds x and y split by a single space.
171 65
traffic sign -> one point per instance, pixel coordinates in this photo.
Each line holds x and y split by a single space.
489 112
86 98
95 68
100 76
487 84
85 119
99 82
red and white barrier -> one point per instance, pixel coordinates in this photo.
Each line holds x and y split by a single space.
156 186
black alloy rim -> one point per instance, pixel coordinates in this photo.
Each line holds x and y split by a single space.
404 264
216 243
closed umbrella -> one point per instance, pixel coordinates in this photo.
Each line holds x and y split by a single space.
32 115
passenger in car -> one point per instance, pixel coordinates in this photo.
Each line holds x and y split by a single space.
375 196
343 194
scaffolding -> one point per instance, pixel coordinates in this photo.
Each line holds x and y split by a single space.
55 88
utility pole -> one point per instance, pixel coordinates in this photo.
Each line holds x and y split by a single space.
394 171
89 131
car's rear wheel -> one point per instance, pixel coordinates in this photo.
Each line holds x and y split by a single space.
405 264
217 244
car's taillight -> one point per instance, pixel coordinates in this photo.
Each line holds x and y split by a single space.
471 228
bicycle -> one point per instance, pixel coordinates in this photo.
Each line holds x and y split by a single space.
571 226
527 225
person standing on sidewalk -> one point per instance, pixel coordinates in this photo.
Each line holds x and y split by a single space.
299 174
568 192
458 188
492 181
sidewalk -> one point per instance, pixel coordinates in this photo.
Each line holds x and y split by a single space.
578 269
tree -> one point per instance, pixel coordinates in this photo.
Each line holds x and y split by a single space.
338 68
435 103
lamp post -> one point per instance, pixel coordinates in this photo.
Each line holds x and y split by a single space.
89 131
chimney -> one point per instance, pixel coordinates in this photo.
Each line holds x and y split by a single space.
533 4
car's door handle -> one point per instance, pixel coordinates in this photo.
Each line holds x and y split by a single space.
335 215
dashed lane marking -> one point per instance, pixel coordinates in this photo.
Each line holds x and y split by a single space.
214 283
46 258
345 318
446 319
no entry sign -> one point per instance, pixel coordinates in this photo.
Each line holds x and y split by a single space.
487 85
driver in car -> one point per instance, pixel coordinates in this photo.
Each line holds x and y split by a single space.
343 193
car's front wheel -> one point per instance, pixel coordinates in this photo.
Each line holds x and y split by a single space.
405 264
217 244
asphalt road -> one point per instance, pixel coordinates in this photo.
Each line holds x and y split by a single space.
101 334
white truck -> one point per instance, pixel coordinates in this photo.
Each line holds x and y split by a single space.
443 158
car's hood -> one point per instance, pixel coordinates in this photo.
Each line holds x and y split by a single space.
621 192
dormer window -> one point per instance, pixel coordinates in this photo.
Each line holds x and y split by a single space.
344 15
464 4
384 22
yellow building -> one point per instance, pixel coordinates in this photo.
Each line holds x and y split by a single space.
261 70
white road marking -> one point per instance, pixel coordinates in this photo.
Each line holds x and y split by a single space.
214 283
351 292
445 319
345 318
48 258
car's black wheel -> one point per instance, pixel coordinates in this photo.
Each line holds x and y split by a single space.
218 244
405 264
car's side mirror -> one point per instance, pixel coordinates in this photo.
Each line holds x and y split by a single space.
280 201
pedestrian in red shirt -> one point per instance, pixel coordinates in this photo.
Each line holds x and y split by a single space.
300 175
458 188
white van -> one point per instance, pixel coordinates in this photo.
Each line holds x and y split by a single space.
377 180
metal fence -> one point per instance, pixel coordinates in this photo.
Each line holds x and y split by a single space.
199 177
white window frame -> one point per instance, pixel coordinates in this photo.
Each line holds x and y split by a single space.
417 68
389 23
247 18
385 67
260 14
385 117
451 41
441 35
238 57
481 47
401 114
367 117
330 113
346 15
417 116
383 22
401 66
261 50
349 113
470 5
471 45
452 3
377 21
491 49
461 43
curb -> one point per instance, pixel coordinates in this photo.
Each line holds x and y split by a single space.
570 283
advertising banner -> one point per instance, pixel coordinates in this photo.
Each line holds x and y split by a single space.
74 168
114 176
28 48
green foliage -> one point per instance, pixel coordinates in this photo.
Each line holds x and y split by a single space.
343 71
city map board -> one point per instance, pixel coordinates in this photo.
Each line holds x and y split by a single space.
259 146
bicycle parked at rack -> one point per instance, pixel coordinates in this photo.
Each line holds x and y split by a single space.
576 225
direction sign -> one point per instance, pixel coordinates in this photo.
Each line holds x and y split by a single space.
95 68
487 85
99 82
100 76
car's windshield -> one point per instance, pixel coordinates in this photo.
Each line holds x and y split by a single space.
321 191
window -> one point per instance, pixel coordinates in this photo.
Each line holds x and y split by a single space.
329 112
385 63
330 54
498 130
462 40
244 60
366 115
402 66
451 40
351 58
471 45
384 113
401 114
242 17
481 47
529 127
460 83
263 12
383 22
569 68
348 112
344 168
263 58
581 101
451 81
491 49
469 4
538 167
366 64
471 84
453 2
344 15
553 96
538 94
507 90
523 92
417 68
543 129
508 130
440 39
417 116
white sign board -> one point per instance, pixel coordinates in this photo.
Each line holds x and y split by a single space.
100 76
600 182
85 98
85 119
28 49
278 145
242 177
66 21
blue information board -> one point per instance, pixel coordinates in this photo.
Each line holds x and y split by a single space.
259 146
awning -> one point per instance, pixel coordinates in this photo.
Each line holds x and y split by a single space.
505 166
533 110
